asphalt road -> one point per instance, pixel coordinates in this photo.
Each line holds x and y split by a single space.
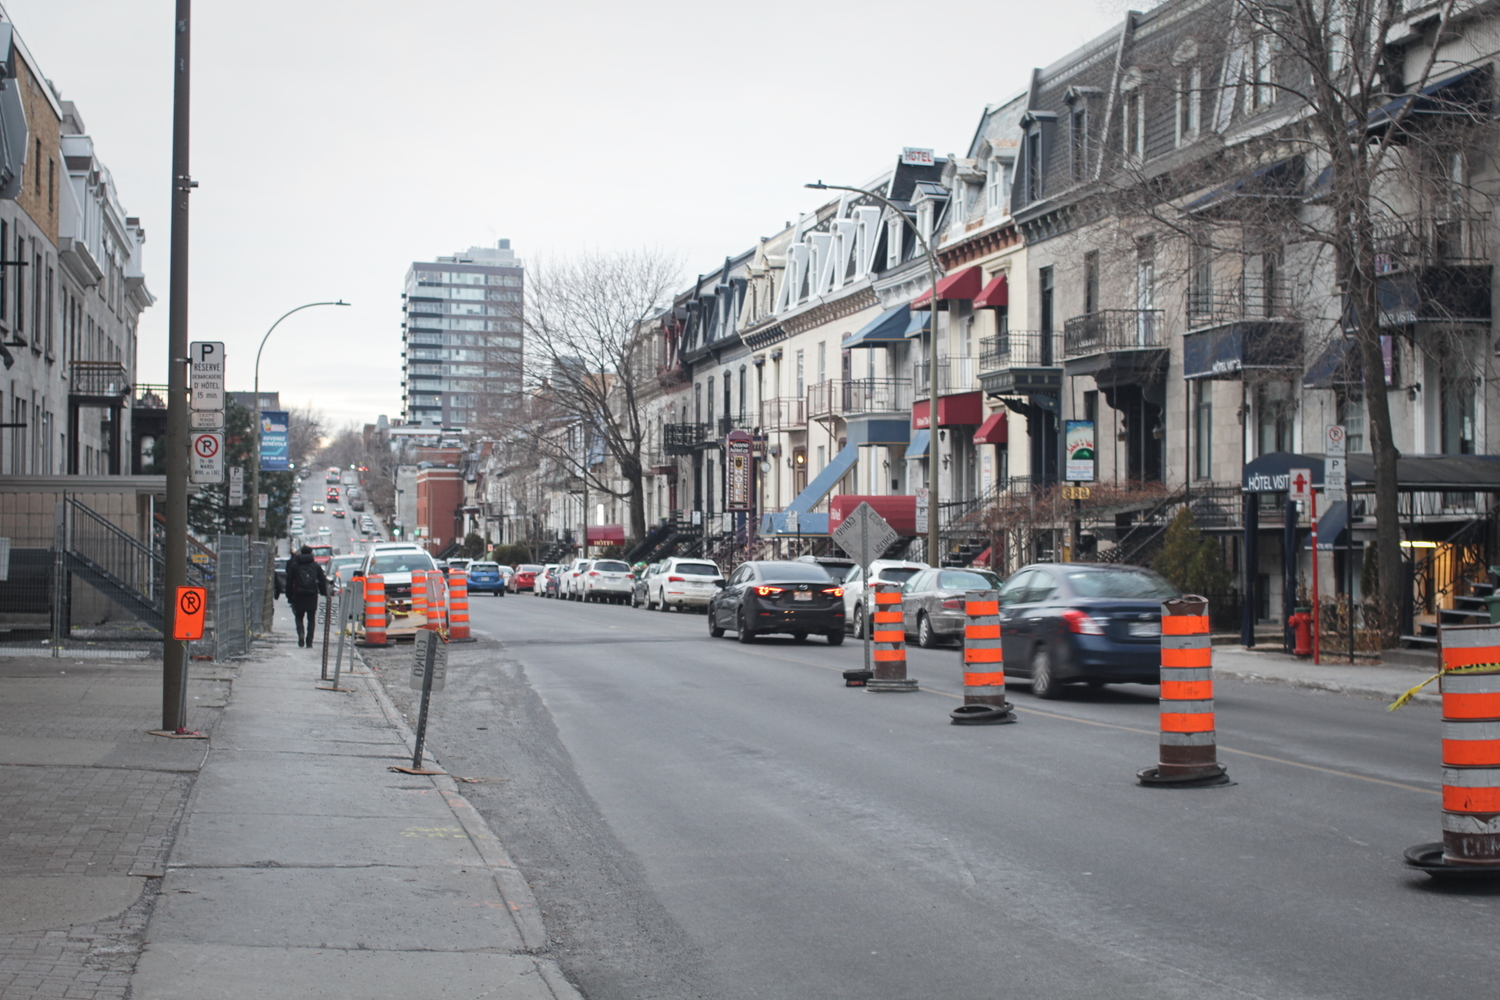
705 819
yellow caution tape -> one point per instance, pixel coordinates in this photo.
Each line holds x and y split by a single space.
1473 668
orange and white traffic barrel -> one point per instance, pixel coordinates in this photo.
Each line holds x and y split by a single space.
1470 686
984 664
1189 744
419 596
375 621
888 633
458 606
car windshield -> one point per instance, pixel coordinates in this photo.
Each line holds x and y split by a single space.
696 569
787 572
967 579
400 562
527 568
1129 584
897 574
610 566
836 573
484 567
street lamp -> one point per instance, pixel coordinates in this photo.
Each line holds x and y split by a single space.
932 364
255 447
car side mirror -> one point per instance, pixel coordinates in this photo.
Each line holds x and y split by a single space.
356 575
721 583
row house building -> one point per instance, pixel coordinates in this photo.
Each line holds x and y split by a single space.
1141 289
72 287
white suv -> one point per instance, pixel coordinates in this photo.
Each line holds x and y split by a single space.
881 571
683 583
571 586
608 580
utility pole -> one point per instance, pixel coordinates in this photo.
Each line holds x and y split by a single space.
174 654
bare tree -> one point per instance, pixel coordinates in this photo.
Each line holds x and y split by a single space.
593 365
305 433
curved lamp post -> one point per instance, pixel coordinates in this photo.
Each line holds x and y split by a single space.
932 366
255 447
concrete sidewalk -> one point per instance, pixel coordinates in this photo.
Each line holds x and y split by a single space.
1386 681
305 868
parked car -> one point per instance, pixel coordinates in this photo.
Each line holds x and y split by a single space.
1095 623
572 579
343 567
486 578
684 583
881 571
838 567
609 581
525 577
548 583
640 593
932 602
459 563
794 598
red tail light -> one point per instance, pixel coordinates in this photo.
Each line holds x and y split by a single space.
630 576
593 573
676 579
768 591
834 591
1082 623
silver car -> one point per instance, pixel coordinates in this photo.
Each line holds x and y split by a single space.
684 583
932 602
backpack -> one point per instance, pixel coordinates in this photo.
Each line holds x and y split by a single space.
305 578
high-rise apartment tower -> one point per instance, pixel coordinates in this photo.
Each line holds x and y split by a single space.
462 336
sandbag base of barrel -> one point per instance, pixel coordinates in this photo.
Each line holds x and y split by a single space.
1215 775
1429 859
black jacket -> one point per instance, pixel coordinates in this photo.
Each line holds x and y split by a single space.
294 593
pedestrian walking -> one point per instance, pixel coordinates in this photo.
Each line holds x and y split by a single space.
305 583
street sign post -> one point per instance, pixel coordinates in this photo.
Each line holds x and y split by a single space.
192 606
865 536
206 384
206 420
1335 480
428 671
236 485
207 457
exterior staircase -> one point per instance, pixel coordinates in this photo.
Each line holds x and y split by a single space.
129 572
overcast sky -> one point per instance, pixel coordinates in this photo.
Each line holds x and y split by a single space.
336 141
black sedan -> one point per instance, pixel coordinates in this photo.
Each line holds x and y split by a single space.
792 598
1064 623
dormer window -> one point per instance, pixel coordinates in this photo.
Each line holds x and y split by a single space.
997 182
893 238
1132 118
1261 70
1189 103
924 218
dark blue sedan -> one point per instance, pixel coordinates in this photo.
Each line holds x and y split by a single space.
486 578
1093 623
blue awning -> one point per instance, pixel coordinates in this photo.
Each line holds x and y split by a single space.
887 328
1464 93
1276 180
918 446
921 322
1331 527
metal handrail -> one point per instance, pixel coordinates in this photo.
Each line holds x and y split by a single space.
1111 330
1019 349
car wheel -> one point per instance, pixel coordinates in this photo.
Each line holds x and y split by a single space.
835 638
1043 682
634 601
747 634
926 637
859 622
713 629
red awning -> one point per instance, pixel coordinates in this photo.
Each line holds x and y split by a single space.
604 534
995 430
963 284
996 294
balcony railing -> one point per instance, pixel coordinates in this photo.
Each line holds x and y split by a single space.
102 379
1456 236
1236 304
739 423
783 414
1111 330
849 397
1019 349
683 439
955 375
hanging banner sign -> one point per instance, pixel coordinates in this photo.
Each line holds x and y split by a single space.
739 466
275 454
1078 445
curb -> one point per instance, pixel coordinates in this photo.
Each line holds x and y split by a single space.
514 890
1329 686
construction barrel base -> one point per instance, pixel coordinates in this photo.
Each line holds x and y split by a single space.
982 715
1430 859
1197 779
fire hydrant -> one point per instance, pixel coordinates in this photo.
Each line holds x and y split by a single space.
1301 625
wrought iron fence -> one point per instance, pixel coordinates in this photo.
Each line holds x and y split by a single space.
1237 303
682 439
843 397
783 414
955 374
